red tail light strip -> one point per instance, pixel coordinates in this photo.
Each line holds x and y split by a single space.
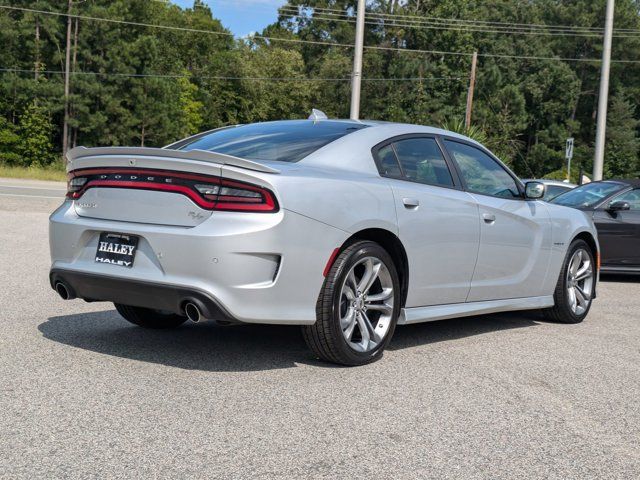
180 183
150 186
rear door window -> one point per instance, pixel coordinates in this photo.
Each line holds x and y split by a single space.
416 159
422 161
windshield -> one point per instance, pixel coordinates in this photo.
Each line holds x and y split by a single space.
587 195
286 141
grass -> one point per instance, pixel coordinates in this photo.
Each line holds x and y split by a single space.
56 172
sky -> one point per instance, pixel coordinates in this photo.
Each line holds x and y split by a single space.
242 17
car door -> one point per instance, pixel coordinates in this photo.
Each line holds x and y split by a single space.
619 232
515 234
438 223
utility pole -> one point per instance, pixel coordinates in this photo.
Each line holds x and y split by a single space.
67 62
603 99
356 77
472 83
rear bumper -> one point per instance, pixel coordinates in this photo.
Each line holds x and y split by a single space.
250 268
137 293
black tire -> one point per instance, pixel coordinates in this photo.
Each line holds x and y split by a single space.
561 312
148 318
325 337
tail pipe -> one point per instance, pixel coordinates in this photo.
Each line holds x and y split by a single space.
195 310
64 290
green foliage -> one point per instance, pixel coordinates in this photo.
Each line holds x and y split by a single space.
135 85
191 108
561 174
474 132
34 147
9 140
623 144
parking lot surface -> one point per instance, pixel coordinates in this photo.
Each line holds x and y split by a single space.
86 395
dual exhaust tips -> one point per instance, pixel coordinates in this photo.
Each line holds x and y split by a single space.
192 309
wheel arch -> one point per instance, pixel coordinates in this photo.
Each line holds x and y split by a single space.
392 244
593 245
591 241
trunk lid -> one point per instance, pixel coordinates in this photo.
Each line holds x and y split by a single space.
153 185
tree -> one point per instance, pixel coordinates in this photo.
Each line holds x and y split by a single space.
9 140
191 108
132 84
622 147
35 130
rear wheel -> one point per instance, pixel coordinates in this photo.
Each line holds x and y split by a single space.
358 307
149 318
576 285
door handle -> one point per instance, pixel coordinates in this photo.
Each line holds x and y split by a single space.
488 217
411 202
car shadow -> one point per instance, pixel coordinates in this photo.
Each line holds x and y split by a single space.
209 347
407 336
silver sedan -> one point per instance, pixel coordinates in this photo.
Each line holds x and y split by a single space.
347 228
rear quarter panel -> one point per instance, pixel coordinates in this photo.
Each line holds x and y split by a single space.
348 200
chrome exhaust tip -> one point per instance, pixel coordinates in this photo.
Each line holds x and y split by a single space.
63 291
192 311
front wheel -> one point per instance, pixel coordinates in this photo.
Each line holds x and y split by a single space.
576 285
358 307
149 318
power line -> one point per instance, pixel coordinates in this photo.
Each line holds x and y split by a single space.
498 55
216 77
449 24
469 22
313 42
170 27
436 26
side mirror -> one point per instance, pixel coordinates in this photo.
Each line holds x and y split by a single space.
535 190
619 206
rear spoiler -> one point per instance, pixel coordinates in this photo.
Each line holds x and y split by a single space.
198 155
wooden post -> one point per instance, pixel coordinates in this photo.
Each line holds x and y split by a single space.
67 62
37 62
472 82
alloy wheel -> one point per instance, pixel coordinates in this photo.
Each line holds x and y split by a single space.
366 304
580 281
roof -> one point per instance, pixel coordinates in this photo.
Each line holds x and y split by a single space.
632 182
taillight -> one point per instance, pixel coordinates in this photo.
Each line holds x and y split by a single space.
75 185
208 192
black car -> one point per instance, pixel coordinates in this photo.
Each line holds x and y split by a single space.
615 206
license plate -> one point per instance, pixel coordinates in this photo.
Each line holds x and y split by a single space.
117 249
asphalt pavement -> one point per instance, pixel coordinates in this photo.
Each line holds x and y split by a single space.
16 188
85 395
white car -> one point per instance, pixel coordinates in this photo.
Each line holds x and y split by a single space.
347 228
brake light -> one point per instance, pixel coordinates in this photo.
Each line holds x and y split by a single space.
208 192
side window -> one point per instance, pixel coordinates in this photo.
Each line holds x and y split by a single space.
422 161
633 197
553 191
481 173
388 163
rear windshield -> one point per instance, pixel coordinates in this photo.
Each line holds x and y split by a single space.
286 141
